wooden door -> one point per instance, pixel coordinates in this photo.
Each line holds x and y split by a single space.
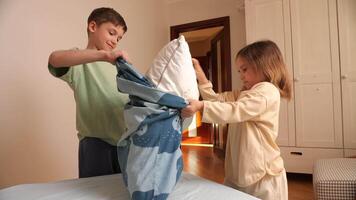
206 131
223 46
219 85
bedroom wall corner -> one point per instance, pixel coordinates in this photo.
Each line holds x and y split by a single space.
37 111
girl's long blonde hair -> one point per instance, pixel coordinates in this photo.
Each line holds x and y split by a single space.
266 57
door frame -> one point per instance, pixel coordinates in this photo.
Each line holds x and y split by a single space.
226 59
210 23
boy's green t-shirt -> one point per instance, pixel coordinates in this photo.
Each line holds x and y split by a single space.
99 105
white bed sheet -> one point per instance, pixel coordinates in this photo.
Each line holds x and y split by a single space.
111 187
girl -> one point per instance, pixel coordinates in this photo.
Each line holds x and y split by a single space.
253 163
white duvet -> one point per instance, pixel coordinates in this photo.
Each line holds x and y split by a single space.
111 187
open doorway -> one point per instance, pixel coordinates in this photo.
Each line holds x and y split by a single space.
209 42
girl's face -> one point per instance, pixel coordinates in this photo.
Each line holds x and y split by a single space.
248 75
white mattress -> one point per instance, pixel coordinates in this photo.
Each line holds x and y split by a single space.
109 187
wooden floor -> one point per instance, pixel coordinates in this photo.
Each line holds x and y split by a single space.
203 135
203 162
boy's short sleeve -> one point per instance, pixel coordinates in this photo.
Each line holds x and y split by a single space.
64 73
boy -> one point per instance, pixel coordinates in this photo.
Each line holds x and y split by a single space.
99 105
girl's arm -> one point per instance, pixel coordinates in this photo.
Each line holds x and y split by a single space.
246 108
207 92
206 88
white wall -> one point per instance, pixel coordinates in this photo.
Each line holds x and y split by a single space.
37 111
186 11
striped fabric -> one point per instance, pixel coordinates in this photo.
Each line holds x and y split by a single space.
335 179
149 152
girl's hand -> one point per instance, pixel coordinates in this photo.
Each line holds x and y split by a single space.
192 108
199 72
196 65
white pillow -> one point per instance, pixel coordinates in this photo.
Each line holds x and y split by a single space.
172 71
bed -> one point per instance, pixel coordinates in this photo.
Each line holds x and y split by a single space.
109 187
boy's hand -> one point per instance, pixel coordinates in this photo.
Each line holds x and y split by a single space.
192 108
111 56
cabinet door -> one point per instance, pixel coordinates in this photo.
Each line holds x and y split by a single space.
269 19
316 73
347 32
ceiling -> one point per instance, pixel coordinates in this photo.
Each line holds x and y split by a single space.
202 34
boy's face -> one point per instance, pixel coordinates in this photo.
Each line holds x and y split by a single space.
105 36
248 75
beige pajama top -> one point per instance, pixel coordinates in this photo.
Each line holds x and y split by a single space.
251 149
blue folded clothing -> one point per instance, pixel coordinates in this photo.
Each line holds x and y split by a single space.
149 151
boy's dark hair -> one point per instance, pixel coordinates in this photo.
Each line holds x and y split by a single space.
102 15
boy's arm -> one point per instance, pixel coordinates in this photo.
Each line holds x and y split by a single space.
67 58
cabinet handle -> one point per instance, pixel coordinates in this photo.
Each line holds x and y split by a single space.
296 153
343 77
